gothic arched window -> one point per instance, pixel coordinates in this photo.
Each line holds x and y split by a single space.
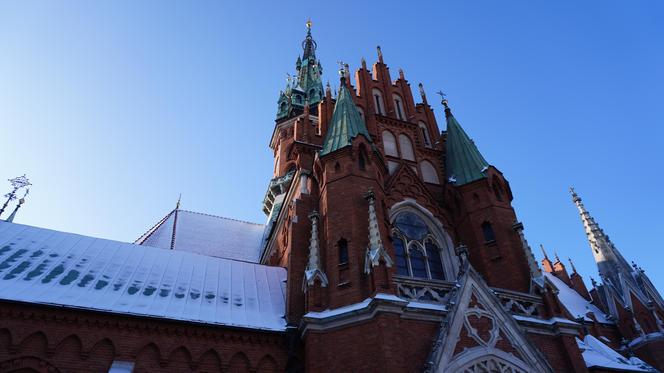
417 253
406 148
429 174
487 230
390 144
426 140
398 107
378 101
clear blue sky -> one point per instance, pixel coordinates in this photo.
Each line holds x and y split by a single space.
113 108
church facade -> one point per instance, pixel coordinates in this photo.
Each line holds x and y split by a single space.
389 246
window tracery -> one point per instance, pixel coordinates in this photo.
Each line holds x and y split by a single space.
417 252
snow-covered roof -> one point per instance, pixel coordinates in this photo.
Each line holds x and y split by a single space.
49 267
597 354
206 234
577 305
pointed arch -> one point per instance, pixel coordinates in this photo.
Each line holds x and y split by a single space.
379 103
71 346
406 146
148 358
390 144
362 158
429 174
36 343
487 231
180 358
267 364
399 109
5 339
436 236
209 361
424 132
102 351
239 363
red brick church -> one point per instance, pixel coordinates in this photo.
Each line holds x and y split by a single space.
390 246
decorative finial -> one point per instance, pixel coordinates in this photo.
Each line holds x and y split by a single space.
544 252
421 87
555 253
17 183
571 263
401 75
177 205
21 201
309 23
592 280
342 69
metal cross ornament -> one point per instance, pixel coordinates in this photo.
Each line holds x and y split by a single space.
342 68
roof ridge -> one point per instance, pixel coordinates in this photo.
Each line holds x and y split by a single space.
151 231
221 217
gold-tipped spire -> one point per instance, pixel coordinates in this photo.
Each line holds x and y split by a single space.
309 23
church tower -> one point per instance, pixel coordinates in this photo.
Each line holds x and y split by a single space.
386 225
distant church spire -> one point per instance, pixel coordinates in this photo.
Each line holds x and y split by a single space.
610 262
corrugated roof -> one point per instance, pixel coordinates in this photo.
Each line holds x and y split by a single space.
49 267
206 234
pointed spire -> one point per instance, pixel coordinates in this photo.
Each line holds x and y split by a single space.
375 250
422 93
177 205
380 54
309 44
571 263
464 162
610 262
544 252
401 75
346 123
314 269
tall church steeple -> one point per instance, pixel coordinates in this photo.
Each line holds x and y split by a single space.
306 87
610 263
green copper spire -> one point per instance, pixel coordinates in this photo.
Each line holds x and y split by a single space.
346 122
306 85
464 163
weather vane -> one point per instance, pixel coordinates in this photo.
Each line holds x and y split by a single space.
17 183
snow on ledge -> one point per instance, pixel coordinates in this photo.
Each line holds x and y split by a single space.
597 354
366 304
